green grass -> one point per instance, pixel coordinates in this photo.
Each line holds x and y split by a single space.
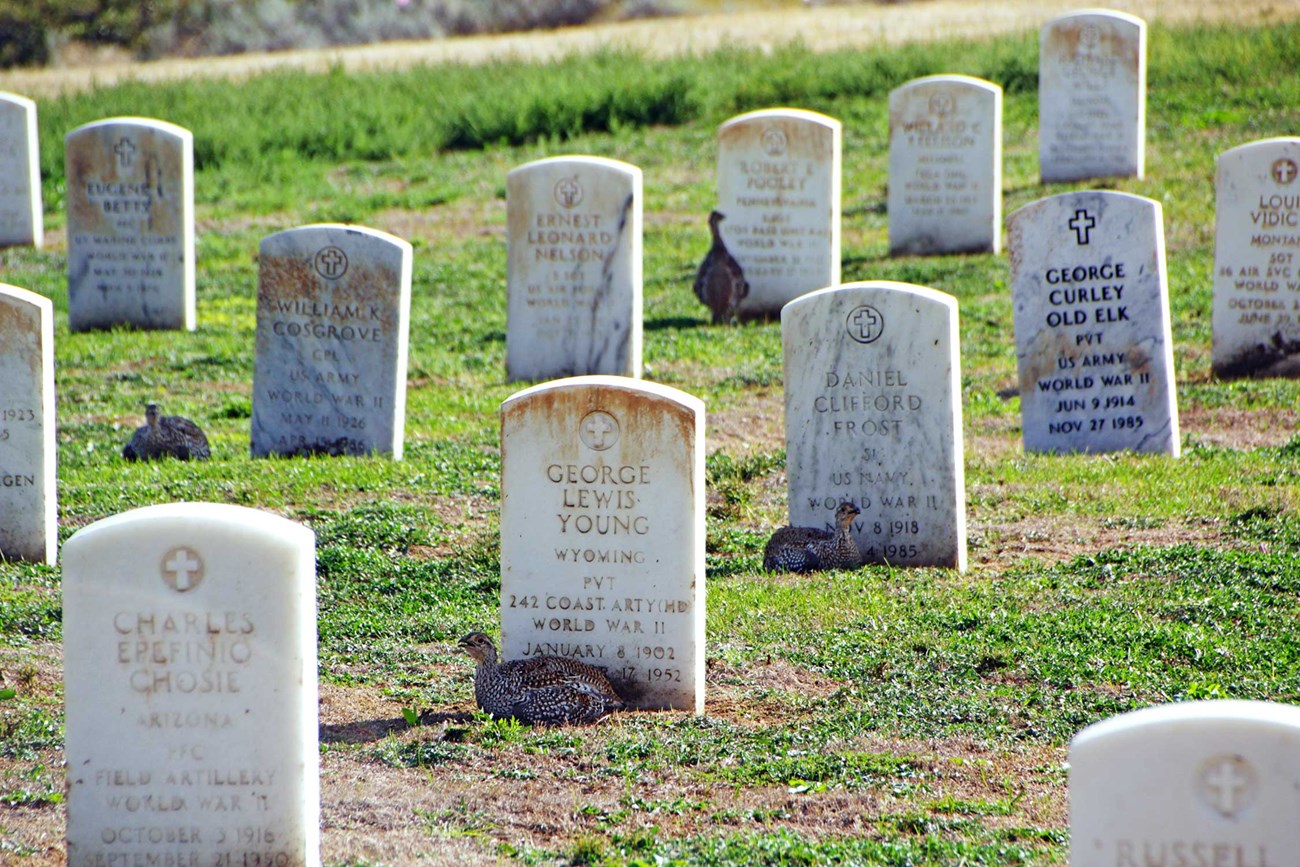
1194 593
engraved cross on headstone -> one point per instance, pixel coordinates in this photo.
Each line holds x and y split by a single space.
332 260
1082 223
1284 171
1225 784
568 191
181 566
125 153
597 426
866 323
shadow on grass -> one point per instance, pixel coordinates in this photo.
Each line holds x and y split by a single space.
369 731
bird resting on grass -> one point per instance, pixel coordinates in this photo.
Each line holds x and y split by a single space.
550 690
164 436
720 283
809 549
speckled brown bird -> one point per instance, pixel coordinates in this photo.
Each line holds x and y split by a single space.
549 690
720 283
166 436
808 549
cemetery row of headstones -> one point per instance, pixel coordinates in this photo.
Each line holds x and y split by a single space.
574 257
191 684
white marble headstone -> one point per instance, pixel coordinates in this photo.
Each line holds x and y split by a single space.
189 636
873 415
1092 87
1093 338
779 190
573 271
602 533
1257 260
28 488
333 312
21 216
1214 783
945 166
130 201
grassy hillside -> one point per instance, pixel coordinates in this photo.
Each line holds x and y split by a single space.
883 716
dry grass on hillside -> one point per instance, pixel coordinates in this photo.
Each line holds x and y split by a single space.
825 28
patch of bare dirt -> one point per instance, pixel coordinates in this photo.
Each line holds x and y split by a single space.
1242 429
453 814
757 425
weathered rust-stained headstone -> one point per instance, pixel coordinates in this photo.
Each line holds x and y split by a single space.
130 200
1257 260
602 533
1093 336
1192 783
28 488
21 217
945 166
333 311
573 272
779 189
189 650
1092 90
873 416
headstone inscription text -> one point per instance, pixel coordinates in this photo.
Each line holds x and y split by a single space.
945 166
779 187
1257 260
573 273
873 415
333 312
130 200
28 487
21 215
1092 85
1093 336
602 533
190 680
1193 783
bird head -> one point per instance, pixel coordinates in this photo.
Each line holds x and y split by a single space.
151 414
716 217
846 513
479 647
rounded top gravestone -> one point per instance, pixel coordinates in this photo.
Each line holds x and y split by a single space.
1257 260
602 533
573 268
190 681
21 215
1201 782
779 190
1093 337
130 203
333 312
945 166
873 415
1092 72
28 497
